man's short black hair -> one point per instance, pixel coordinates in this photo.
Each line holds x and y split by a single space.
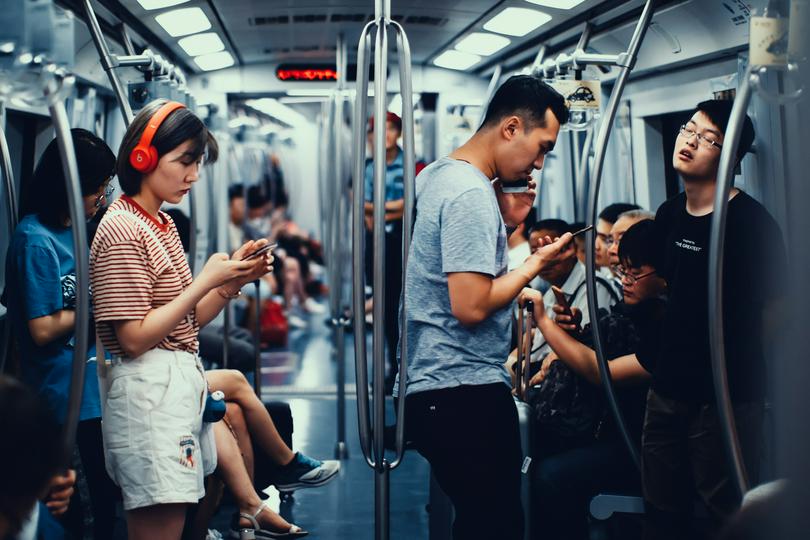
528 98
255 197
558 226
638 247
719 112
236 191
612 211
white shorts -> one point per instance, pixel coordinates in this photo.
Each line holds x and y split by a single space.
151 424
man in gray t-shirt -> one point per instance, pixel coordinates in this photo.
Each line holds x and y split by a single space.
458 295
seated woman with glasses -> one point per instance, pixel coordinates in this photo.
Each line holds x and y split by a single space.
40 295
566 481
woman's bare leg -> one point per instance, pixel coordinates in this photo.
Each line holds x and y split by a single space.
235 421
159 522
237 389
232 470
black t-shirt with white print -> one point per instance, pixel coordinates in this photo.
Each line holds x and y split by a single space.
754 260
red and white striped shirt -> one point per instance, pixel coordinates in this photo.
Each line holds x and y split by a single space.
133 272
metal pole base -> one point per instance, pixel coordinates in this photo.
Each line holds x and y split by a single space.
382 501
341 450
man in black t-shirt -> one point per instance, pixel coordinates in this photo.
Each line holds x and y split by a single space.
682 448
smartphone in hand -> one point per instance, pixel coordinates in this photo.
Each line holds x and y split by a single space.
261 251
518 186
561 299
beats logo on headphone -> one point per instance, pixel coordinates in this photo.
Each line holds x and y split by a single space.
144 157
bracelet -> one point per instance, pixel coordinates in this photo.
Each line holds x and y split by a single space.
229 296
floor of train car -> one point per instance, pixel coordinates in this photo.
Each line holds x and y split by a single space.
304 376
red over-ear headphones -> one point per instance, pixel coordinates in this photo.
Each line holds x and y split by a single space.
144 157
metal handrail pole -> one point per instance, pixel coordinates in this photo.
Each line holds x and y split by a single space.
11 216
378 236
593 196
226 330
409 195
527 354
358 242
491 89
257 341
537 64
56 87
107 62
192 230
521 336
126 40
717 240
582 167
336 272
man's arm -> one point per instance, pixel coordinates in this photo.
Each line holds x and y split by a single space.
474 296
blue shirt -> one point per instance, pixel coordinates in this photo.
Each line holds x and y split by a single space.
459 228
394 183
38 256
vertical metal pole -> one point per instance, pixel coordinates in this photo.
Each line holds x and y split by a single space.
257 344
192 230
226 330
107 63
358 242
593 195
338 254
717 240
56 88
11 215
576 181
491 89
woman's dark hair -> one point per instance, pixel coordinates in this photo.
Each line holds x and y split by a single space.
180 126
46 195
528 98
637 247
30 454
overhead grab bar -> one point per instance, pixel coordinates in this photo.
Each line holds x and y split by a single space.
717 240
628 61
11 217
57 85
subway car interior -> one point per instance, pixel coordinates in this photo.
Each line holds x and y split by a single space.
259 328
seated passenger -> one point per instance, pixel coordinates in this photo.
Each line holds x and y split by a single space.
607 218
592 457
568 276
35 487
623 222
41 297
148 314
580 240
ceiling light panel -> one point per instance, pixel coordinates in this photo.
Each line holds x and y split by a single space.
160 4
557 4
200 44
518 22
456 60
217 60
482 43
185 21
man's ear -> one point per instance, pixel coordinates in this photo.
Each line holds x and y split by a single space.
510 127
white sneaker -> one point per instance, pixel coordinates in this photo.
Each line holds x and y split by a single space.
313 306
296 322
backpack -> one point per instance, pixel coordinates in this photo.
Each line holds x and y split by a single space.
273 325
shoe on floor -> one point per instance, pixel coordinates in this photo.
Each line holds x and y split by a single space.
296 322
312 306
254 530
305 472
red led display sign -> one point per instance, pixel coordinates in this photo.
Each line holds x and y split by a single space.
302 73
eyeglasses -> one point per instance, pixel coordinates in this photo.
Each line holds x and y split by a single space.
108 191
624 275
703 140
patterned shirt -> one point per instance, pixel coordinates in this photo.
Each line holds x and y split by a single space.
394 183
133 271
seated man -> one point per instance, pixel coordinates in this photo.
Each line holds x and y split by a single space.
568 276
604 224
597 459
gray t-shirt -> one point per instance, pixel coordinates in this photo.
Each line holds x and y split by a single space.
458 228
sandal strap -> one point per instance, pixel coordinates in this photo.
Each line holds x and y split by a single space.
252 518
262 506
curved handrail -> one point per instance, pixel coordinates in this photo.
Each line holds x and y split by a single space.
409 181
593 196
358 241
774 97
57 85
491 89
378 236
11 215
717 239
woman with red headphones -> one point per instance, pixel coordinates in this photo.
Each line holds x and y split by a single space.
148 314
